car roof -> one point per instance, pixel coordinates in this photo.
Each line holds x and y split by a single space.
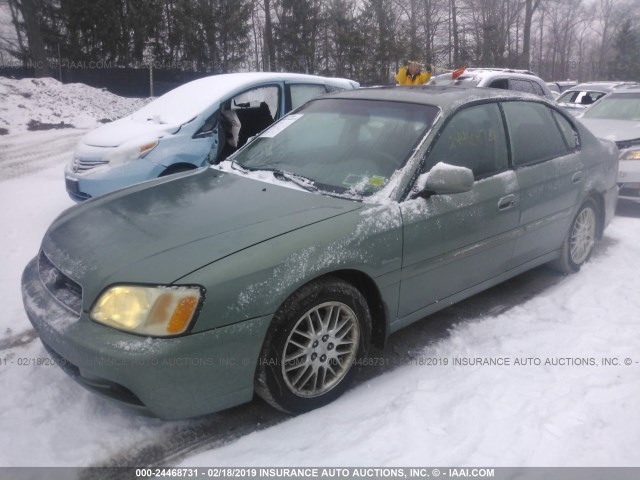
634 88
601 86
211 88
497 71
229 82
445 97
491 72
183 103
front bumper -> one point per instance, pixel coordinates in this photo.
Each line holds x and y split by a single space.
172 378
629 178
107 178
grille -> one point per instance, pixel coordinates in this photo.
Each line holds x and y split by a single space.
83 165
63 289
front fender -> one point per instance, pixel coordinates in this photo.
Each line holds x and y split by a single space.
256 281
182 149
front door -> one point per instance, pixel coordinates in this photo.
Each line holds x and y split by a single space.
454 242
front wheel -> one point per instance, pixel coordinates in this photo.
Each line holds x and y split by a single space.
580 240
310 351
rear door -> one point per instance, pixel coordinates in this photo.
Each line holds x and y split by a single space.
454 242
544 148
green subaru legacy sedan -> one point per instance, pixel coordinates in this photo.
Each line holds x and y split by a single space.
273 272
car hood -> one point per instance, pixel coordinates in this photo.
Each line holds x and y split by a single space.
160 231
116 133
615 130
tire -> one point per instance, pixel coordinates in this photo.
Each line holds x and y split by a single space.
309 355
577 246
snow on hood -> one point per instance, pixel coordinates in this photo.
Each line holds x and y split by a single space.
615 130
182 104
116 133
160 231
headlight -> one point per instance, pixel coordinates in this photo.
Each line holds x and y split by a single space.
156 311
130 151
630 155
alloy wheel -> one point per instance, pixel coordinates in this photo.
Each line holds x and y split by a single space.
320 349
583 236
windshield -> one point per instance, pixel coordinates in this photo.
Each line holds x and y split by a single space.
617 106
340 145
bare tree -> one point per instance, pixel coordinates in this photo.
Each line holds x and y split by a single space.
35 50
269 46
530 8
609 14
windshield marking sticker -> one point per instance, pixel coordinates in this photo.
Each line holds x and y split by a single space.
281 125
377 181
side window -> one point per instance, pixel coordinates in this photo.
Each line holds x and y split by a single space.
335 88
473 138
568 132
302 93
569 97
534 134
521 85
537 89
502 83
249 113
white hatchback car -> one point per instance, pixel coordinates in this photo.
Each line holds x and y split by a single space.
196 124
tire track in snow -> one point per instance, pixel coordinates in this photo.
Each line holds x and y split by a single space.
18 340
28 152
198 435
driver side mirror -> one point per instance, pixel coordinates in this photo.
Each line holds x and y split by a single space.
444 179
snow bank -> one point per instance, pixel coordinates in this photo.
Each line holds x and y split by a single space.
43 103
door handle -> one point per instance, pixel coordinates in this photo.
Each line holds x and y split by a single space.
577 177
505 203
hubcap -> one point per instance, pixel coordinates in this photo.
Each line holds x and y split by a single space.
320 349
583 236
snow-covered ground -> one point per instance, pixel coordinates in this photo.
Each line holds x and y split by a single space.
41 103
574 411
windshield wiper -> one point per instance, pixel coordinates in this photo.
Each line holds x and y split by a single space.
236 165
299 180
